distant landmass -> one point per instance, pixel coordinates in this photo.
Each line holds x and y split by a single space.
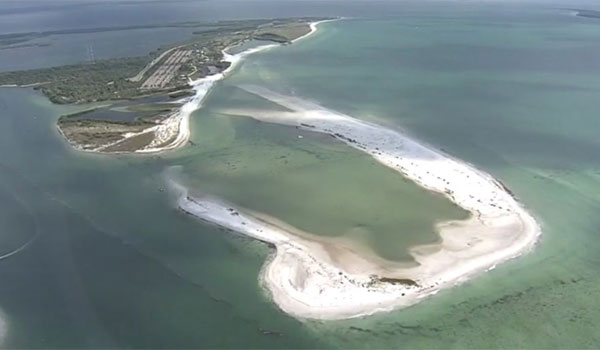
587 13
143 94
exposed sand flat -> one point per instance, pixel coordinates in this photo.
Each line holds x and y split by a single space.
309 281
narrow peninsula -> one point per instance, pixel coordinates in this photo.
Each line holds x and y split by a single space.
142 104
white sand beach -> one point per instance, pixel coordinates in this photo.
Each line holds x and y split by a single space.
313 29
310 278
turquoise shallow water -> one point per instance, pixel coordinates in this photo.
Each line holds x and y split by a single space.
510 89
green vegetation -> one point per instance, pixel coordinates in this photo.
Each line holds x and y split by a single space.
101 81
17 38
282 33
91 134
271 37
403 281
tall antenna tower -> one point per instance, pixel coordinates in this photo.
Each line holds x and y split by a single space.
90 54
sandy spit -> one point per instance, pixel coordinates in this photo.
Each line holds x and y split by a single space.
307 280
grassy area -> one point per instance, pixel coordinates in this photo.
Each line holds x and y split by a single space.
282 33
91 134
101 81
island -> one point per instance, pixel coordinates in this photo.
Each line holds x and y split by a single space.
142 104
315 277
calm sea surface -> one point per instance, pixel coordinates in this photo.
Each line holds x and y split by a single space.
95 253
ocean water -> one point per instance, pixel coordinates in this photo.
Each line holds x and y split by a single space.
108 261
309 180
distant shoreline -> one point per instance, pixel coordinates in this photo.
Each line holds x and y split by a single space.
313 28
152 122
586 13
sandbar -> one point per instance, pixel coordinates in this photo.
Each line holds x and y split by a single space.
308 279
